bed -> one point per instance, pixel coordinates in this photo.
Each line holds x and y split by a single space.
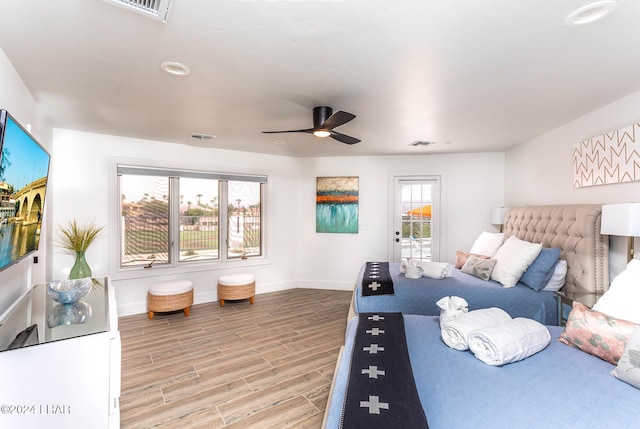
574 229
560 386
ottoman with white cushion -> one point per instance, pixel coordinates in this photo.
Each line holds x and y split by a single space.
171 295
236 286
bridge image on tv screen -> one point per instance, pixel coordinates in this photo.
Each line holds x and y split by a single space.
24 169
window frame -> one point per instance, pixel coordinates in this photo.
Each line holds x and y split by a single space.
175 266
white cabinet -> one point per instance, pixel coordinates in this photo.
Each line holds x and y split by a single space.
71 377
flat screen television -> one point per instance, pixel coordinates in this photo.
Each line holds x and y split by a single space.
24 169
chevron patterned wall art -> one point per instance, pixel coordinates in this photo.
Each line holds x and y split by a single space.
613 157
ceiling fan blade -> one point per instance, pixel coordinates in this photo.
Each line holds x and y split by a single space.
308 130
344 138
337 119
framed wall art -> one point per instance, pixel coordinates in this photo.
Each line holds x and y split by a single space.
612 157
337 204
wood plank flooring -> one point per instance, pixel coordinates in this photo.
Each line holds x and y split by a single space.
266 365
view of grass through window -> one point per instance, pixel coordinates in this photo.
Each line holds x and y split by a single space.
148 231
145 219
244 219
199 226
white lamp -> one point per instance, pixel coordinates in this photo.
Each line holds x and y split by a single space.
497 216
623 220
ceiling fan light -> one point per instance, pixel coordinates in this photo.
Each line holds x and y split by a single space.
322 133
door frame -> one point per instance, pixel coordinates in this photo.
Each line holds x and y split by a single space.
438 225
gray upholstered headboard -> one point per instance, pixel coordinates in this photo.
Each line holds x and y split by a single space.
575 229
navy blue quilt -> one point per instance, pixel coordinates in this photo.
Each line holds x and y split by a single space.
381 391
376 279
419 296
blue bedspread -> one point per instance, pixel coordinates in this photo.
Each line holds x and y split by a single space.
419 296
559 387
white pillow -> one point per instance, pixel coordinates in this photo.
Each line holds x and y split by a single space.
487 244
558 277
513 258
622 298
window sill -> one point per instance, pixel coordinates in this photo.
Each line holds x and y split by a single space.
159 270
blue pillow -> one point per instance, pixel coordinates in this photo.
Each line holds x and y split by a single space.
541 269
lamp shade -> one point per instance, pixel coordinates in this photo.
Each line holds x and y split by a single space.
621 219
497 215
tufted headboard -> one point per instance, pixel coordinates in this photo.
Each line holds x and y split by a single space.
575 229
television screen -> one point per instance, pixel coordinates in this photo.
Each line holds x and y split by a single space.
24 167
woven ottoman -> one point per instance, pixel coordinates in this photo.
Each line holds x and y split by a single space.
236 286
170 296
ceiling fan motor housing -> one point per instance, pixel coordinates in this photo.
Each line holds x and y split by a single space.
320 116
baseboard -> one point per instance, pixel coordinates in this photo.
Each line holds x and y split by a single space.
131 309
204 297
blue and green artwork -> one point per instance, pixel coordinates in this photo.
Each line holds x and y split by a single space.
337 204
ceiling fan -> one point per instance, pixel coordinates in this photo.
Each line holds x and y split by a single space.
323 124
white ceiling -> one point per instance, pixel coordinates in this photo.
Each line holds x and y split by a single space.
471 75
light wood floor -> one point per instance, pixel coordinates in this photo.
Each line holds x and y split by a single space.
266 365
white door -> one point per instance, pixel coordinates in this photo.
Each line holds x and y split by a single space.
416 219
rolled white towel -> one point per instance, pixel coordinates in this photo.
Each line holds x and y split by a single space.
455 332
451 307
435 270
509 342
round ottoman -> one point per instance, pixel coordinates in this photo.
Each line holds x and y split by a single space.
236 286
170 296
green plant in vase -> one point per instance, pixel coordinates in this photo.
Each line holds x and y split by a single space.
78 239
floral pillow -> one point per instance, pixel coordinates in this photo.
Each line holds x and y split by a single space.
596 333
479 266
461 258
628 369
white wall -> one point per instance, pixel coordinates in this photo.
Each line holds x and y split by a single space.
297 255
473 185
85 189
16 98
540 171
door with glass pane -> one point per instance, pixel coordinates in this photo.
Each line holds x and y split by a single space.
416 222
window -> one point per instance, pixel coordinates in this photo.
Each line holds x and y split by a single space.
245 224
198 215
175 217
144 214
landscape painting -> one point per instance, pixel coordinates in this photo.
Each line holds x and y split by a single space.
337 204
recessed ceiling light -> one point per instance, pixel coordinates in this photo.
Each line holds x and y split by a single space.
590 13
176 69
279 142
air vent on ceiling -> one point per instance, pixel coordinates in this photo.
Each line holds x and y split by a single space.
154 9
419 143
201 136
